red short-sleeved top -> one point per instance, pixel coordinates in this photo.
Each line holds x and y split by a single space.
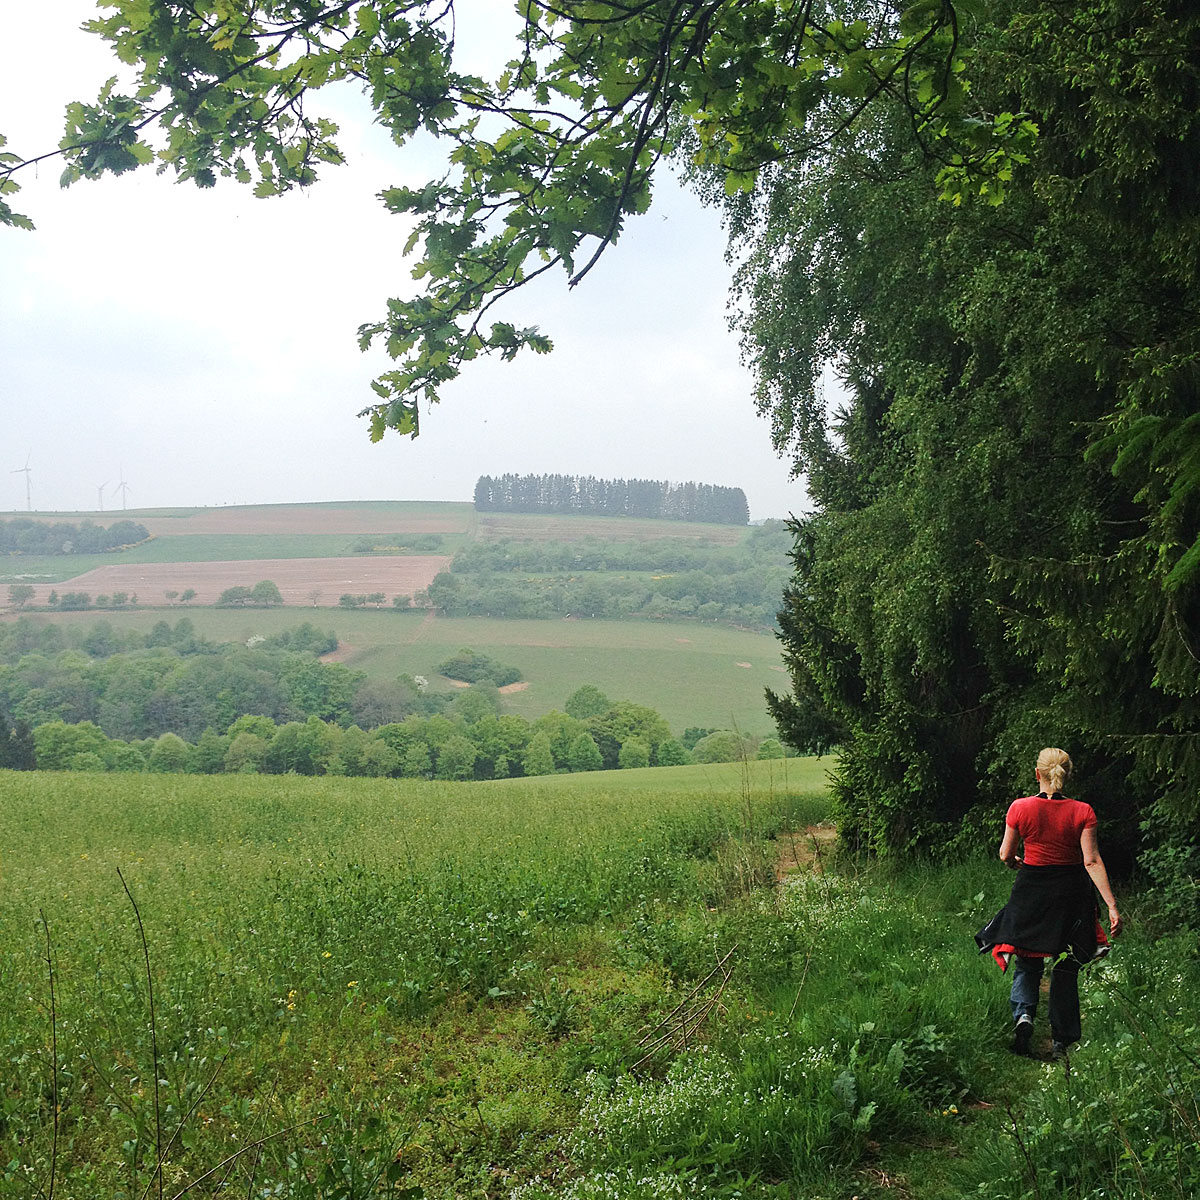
1050 828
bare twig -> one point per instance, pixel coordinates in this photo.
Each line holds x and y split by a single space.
53 1056
686 1018
800 988
1016 1130
232 1158
158 1143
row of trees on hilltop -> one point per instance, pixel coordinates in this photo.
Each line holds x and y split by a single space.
587 496
23 535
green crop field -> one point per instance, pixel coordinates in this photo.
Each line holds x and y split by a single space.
694 673
762 779
587 987
316 951
559 527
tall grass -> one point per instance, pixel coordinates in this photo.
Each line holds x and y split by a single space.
298 931
542 990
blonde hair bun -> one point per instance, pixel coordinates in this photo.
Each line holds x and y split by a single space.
1054 767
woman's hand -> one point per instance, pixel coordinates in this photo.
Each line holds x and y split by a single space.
1115 923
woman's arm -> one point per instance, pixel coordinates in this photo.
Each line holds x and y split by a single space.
1094 865
1008 848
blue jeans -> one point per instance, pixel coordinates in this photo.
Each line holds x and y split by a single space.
1064 994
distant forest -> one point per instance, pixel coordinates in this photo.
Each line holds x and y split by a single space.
169 700
583 495
22 535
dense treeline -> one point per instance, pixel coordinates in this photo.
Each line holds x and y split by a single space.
665 579
582 495
135 685
470 740
1004 551
17 751
171 701
760 545
22 535
749 600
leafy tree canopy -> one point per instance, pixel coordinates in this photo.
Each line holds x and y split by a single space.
547 161
1004 550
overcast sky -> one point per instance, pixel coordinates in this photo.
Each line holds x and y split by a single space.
201 344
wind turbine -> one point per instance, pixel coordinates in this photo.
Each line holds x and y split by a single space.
122 487
25 471
100 496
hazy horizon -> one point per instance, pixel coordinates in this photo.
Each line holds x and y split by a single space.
118 513
202 345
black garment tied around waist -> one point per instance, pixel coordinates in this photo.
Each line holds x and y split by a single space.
1050 909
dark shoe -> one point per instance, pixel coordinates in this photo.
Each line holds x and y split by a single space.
1058 1050
1022 1035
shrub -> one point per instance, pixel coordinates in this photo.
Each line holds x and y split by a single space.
722 746
470 666
170 755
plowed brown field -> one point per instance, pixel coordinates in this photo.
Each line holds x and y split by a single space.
296 578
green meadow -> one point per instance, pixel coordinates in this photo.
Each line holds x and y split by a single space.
573 988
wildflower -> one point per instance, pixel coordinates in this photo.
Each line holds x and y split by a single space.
353 983
327 954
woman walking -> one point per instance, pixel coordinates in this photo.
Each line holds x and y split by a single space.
1051 912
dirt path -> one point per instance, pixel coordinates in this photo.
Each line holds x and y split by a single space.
804 849
422 628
